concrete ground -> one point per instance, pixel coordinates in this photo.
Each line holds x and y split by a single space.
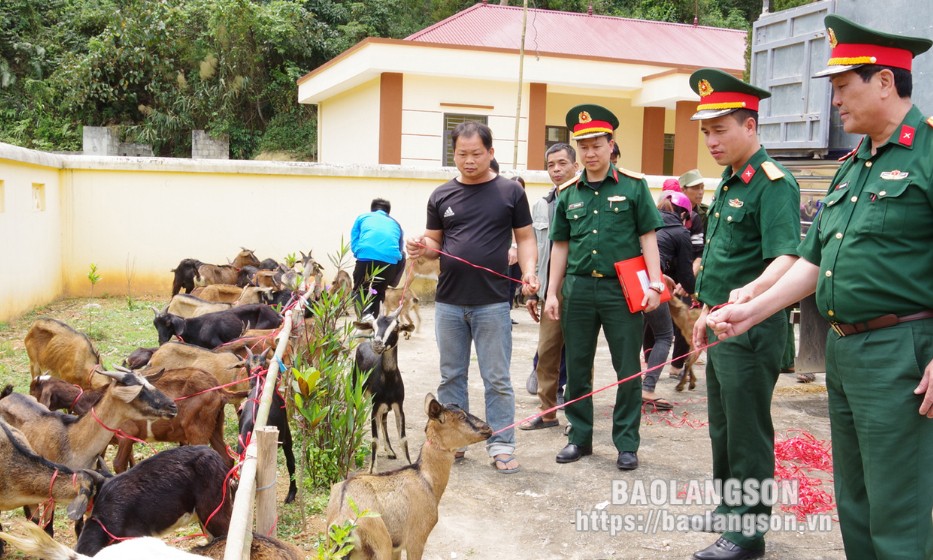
538 513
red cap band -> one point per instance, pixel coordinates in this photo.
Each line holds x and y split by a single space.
728 100
592 126
851 54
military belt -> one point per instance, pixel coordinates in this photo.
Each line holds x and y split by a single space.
882 322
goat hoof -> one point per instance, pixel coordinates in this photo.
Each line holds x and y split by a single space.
679 388
392 456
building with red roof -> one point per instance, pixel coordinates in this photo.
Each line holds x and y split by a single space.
415 90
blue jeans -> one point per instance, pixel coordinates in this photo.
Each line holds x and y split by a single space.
456 328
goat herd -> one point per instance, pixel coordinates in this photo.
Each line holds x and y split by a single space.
177 392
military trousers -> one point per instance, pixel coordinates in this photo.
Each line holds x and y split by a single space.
741 373
590 303
882 446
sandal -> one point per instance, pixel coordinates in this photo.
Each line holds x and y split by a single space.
657 404
674 373
805 377
505 462
538 424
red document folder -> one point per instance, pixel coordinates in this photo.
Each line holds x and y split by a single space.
633 275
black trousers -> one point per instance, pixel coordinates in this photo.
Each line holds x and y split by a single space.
366 279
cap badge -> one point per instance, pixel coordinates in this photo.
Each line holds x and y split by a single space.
704 88
832 37
584 117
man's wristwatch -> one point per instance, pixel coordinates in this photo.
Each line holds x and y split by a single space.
656 286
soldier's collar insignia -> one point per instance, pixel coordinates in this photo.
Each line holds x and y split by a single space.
736 203
704 88
584 117
832 38
907 135
895 175
748 174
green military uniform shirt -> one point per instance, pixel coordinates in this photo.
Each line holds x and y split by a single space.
603 222
754 217
873 235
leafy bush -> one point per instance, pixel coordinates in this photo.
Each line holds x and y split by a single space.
333 409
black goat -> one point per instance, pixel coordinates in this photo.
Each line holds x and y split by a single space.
257 315
380 357
156 494
185 274
277 418
207 331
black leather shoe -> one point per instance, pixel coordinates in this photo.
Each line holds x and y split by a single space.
573 453
627 461
726 550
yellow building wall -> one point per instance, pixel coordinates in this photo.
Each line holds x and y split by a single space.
348 129
136 218
31 232
425 100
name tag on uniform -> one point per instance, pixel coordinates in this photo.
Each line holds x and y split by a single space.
575 205
616 198
895 175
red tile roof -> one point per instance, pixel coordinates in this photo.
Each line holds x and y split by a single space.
566 33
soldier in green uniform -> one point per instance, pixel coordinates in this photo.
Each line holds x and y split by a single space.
603 216
754 227
869 257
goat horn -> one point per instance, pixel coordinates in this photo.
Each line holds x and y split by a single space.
154 309
123 369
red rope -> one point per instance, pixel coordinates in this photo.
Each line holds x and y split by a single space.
224 386
601 389
75 402
116 431
491 271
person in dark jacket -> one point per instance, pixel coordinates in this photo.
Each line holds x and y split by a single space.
676 254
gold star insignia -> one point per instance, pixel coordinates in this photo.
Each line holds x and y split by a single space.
832 37
704 88
584 117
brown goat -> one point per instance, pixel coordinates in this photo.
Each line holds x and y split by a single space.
29 478
57 394
684 318
217 274
220 293
261 548
342 282
190 306
406 499
200 418
246 257
77 441
55 348
225 366
409 305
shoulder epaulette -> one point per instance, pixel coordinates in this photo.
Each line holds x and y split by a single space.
571 181
930 121
771 170
630 173
855 149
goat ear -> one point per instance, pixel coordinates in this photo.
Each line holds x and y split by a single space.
178 325
77 507
432 408
155 376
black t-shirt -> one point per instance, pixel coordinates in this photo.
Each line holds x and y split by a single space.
477 223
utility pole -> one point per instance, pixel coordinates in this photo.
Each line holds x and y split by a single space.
521 71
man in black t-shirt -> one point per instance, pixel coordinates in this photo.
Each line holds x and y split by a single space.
474 217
